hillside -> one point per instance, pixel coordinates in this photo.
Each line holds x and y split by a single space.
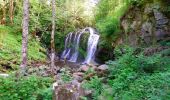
10 49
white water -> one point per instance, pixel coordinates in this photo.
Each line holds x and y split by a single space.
66 52
71 52
92 46
76 52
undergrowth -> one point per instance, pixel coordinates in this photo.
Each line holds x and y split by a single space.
10 49
25 88
134 77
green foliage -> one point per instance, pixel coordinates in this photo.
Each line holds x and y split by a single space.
108 27
10 49
108 16
25 88
135 77
66 75
108 21
96 85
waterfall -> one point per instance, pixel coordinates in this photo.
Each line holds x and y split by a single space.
67 48
72 45
76 52
92 46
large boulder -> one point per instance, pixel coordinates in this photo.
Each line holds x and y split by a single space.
69 91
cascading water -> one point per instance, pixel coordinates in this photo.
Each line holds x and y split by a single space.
67 50
76 51
92 46
71 52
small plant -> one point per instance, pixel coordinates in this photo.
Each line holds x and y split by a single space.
66 75
96 85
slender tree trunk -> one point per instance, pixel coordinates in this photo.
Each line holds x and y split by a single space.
52 35
25 24
11 11
3 21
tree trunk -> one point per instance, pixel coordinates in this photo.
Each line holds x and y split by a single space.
3 20
25 24
52 36
11 11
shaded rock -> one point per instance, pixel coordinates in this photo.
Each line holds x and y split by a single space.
160 18
147 32
158 15
160 34
162 21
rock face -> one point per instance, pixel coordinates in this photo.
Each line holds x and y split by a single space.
161 24
146 26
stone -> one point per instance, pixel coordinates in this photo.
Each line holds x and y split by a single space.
78 76
147 32
69 91
158 15
160 34
162 21
84 68
148 9
78 73
103 67
160 18
147 29
125 25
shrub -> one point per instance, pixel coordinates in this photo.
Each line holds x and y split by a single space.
135 77
96 85
25 88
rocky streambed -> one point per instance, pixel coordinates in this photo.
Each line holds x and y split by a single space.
76 74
